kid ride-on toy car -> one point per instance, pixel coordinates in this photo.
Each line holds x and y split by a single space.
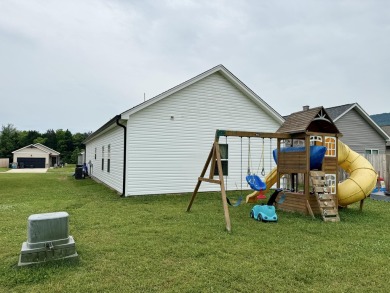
264 213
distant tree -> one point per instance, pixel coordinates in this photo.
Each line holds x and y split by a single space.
41 140
51 139
8 141
22 139
65 145
31 136
60 140
74 156
78 139
61 143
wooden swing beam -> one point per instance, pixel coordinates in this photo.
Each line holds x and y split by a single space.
214 157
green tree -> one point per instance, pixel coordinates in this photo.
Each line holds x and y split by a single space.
78 139
41 140
65 145
51 139
60 140
74 156
8 141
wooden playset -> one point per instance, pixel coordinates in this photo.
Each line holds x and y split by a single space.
311 191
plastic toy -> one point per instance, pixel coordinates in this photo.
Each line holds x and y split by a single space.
264 213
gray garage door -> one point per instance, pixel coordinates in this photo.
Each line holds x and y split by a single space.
31 162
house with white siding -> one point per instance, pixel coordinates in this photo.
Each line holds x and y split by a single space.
360 132
160 146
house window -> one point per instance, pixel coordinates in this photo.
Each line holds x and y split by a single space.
298 143
330 180
102 157
372 151
330 143
108 157
294 143
224 151
95 152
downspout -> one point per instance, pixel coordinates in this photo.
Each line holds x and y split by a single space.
118 117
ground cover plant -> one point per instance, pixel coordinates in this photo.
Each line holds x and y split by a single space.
150 244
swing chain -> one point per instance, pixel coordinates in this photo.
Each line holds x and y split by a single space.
249 156
262 159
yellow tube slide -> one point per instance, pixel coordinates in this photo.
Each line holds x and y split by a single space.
362 179
270 180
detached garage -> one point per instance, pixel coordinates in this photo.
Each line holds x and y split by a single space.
36 156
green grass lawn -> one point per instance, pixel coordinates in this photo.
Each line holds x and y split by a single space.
3 169
150 244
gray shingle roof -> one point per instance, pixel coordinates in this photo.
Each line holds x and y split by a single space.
336 111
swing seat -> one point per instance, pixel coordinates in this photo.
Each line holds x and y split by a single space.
255 182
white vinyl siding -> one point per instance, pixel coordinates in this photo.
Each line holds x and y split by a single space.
169 141
114 138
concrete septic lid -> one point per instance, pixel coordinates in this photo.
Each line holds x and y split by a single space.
47 227
47 238
46 216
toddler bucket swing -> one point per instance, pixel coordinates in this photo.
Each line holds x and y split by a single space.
253 180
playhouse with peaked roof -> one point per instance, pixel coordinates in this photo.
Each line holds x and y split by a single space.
310 188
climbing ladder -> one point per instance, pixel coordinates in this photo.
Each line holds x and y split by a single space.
326 201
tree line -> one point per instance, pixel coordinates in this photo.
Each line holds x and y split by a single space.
62 141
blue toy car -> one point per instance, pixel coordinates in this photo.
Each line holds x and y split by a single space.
264 213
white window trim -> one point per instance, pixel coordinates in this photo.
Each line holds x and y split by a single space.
326 145
371 153
314 138
331 183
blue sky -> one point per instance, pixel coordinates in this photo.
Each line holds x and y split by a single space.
76 64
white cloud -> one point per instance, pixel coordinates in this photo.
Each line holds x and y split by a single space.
80 57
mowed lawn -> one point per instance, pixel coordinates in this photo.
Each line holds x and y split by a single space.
151 244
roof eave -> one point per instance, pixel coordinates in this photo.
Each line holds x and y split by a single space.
22 148
345 112
107 126
372 122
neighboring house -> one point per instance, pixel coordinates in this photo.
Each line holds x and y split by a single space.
359 131
36 156
386 128
161 145
383 120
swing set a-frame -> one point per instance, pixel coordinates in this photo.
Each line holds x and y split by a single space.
214 161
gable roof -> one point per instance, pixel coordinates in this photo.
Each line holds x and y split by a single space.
220 69
39 146
314 119
227 74
338 112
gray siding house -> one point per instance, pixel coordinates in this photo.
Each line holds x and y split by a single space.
359 131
